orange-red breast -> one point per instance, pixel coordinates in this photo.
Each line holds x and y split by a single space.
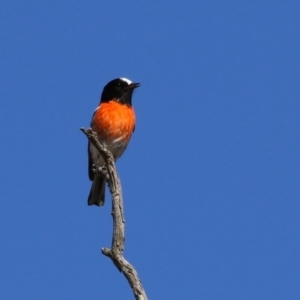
114 123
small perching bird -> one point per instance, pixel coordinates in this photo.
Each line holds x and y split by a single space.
114 123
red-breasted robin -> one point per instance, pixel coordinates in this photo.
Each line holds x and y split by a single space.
114 123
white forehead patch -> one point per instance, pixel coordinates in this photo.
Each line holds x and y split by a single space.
126 80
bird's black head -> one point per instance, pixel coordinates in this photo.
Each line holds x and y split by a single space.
120 90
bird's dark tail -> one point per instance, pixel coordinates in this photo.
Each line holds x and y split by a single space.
97 193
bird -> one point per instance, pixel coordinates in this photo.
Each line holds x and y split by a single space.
114 123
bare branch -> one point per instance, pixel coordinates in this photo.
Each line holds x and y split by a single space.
115 253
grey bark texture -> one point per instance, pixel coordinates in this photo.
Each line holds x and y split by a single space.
115 253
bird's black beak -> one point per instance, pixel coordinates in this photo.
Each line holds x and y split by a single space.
133 86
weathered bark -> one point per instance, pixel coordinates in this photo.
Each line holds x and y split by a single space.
115 253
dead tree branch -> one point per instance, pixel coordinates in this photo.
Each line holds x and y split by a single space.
115 253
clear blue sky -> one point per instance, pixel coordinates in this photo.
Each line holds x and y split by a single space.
210 178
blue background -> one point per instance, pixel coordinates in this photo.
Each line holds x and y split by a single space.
210 178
